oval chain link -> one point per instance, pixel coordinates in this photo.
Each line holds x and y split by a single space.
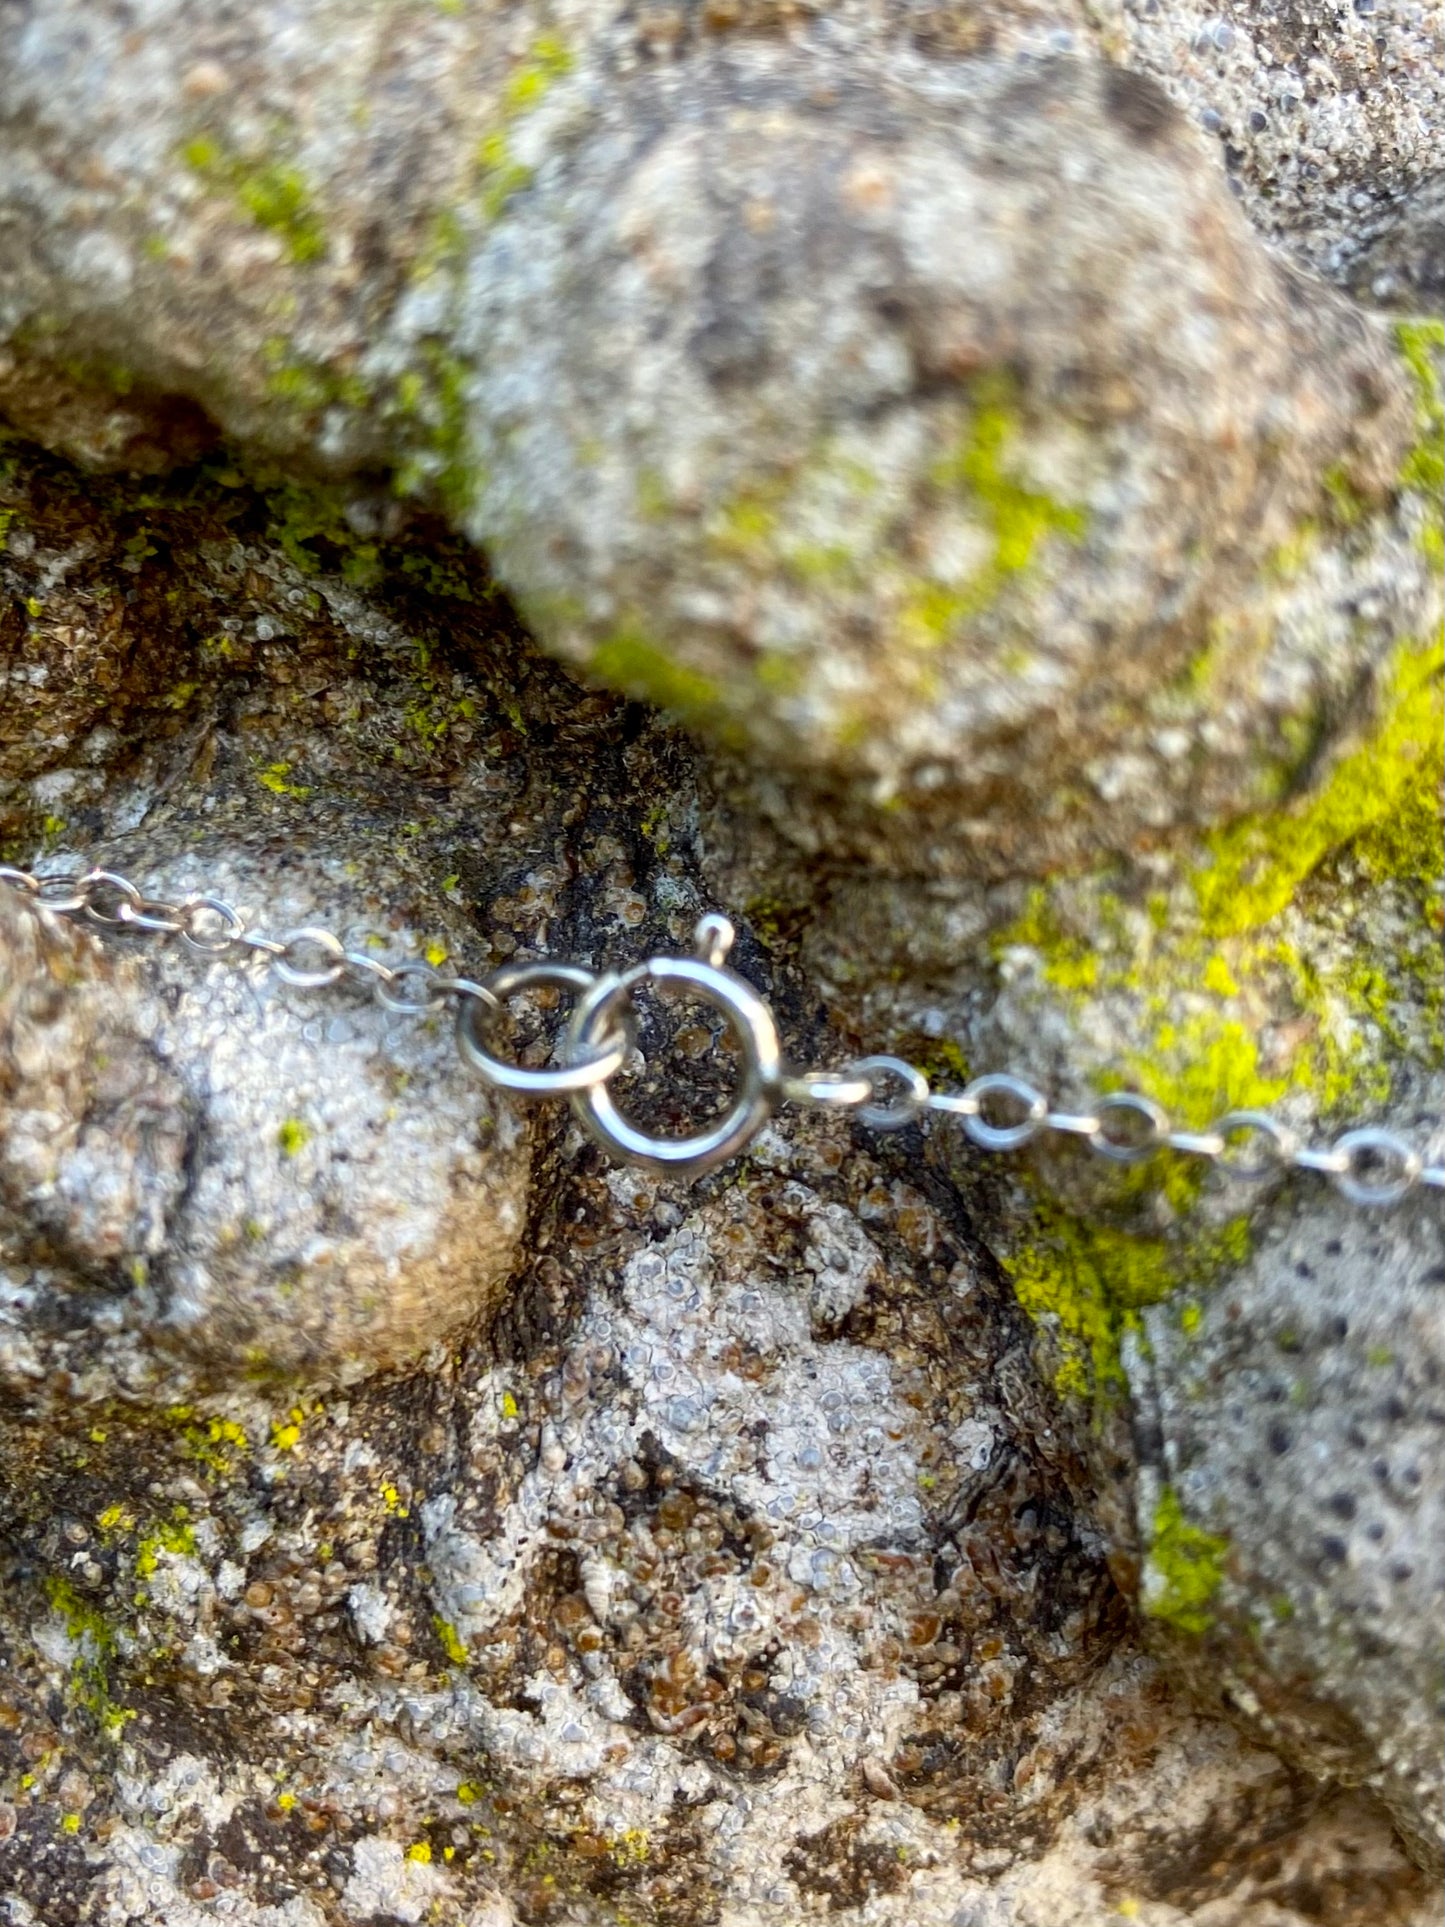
1000 1111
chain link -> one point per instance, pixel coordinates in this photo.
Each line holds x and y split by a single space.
1000 1111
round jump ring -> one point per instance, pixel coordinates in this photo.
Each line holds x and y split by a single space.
898 1112
752 1024
1003 1137
403 1006
578 1073
19 879
290 973
1132 1104
1282 1142
233 926
1407 1162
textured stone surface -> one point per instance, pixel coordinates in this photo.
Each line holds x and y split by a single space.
207 1166
1327 123
1169 504
736 1567
680 328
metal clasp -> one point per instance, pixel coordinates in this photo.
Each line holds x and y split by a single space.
595 1022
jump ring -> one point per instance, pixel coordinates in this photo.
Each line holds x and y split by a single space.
1408 1163
1003 1137
152 914
19 880
310 979
63 894
128 895
1132 1104
896 1113
233 926
576 1074
404 1006
828 1090
1282 1142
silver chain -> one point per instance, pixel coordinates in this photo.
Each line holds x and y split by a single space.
998 1112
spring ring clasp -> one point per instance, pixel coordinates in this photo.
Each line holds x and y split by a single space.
704 975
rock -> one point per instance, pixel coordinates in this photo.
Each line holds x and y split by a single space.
750 434
1073 707
1325 126
1289 1476
203 1164
731 1506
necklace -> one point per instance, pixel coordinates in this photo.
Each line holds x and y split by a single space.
999 1111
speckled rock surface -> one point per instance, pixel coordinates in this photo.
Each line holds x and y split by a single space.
301 1646
1327 124
207 1167
736 1566
674 320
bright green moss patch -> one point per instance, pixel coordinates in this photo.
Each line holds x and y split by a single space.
273 194
1184 1569
1256 865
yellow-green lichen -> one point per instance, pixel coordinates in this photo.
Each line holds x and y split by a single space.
309 387
430 403
1184 1569
1202 977
271 192
500 175
1423 345
629 661
1255 866
1088 1281
174 1535
95 1646
452 1643
978 468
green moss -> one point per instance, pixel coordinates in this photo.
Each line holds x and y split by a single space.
271 193
1256 865
1184 1569
292 1137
